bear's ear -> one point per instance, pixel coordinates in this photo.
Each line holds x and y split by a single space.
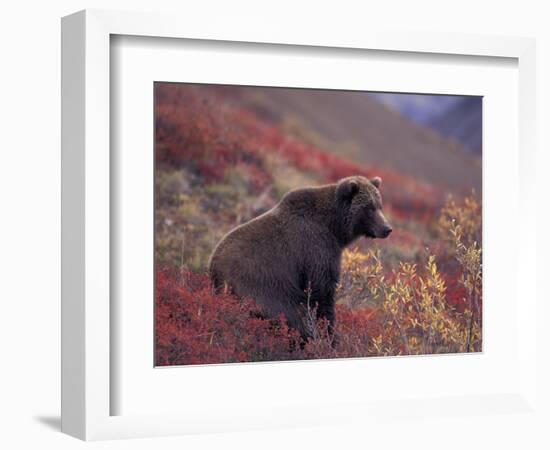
377 181
347 189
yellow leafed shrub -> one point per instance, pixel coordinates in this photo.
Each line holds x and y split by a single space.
416 315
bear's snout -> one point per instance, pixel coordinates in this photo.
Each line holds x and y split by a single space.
381 229
386 231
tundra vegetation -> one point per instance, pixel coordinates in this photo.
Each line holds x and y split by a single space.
219 164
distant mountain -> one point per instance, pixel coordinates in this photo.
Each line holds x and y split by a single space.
453 116
420 108
463 122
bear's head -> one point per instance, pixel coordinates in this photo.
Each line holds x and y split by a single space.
361 204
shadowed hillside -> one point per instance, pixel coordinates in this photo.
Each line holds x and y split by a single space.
462 122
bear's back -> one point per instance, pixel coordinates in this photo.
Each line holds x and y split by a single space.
272 248
248 248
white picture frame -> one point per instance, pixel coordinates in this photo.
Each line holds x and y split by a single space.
87 386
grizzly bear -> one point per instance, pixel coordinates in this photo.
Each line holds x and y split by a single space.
288 259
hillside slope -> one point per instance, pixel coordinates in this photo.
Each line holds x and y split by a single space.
356 125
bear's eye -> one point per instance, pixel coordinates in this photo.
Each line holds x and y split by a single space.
370 208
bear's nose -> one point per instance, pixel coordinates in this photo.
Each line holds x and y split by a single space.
386 231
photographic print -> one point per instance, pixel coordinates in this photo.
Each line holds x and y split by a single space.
297 224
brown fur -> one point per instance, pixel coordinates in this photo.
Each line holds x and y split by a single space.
296 247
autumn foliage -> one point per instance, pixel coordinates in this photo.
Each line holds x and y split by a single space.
219 165
195 327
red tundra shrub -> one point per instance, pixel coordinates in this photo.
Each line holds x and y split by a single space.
355 331
194 326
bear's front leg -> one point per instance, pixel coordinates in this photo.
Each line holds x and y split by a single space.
321 289
326 311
